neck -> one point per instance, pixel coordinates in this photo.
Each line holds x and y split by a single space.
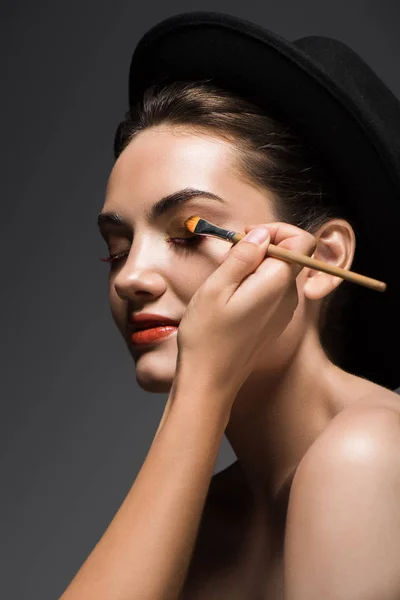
277 416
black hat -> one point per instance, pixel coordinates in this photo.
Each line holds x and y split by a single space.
331 98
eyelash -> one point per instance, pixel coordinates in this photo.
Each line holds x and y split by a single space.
189 243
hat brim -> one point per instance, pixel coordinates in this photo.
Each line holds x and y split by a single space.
291 86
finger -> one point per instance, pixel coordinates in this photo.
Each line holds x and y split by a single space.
274 276
280 232
291 238
241 260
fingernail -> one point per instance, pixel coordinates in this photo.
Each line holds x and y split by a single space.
258 235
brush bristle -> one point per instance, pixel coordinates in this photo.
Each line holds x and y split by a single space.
191 223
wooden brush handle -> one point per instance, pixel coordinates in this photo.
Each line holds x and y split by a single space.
306 261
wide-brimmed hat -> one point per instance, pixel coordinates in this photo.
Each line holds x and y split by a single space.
332 99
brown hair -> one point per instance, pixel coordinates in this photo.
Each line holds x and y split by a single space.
267 153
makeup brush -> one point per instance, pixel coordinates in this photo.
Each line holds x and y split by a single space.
199 226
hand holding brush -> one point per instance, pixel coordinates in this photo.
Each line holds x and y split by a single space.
199 226
240 311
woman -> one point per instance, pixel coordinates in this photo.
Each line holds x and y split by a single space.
296 140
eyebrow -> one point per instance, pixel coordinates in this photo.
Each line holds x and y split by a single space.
161 207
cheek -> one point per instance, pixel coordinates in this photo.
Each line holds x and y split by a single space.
190 278
118 310
191 275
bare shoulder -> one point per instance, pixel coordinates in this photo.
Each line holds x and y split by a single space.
344 507
368 427
377 396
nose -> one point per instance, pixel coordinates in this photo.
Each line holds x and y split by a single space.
140 283
141 274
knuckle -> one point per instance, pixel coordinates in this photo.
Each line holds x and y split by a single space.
244 253
211 286
311 243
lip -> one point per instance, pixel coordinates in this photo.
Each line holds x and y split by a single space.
149 320
152 335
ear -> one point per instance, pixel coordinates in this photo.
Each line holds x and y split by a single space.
336 243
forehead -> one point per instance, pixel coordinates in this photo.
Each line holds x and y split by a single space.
164 154
161 160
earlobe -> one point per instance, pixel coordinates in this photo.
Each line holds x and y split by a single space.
318 285
336 246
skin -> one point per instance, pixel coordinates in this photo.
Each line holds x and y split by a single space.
296 391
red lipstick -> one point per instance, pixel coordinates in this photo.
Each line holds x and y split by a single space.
154 334
149 328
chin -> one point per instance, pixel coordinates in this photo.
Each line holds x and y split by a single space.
155 373
154 386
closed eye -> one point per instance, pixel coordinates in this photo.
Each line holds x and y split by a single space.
189 242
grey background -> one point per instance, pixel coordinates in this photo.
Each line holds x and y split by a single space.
75 426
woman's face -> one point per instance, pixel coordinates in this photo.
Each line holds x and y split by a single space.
157 276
